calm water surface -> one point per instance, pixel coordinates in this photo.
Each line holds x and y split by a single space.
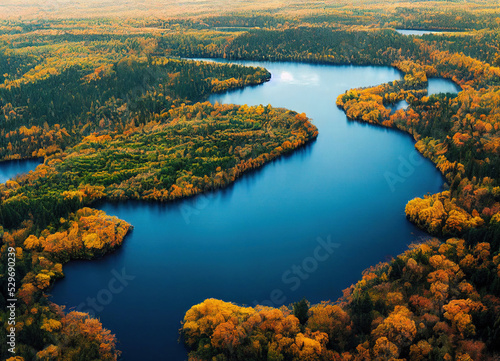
435 86
418 32
415 32
11 168
259 238
440 85
402 104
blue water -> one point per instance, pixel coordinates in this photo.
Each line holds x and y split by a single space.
402 104
305 225
12 168
440 85
418 32
435 86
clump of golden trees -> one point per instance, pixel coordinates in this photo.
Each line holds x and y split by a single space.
40 256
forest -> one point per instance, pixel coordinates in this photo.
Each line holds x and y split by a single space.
115 112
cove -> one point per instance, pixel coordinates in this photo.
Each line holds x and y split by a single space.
11 168
257 240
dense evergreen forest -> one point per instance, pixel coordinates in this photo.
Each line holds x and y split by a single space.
116 113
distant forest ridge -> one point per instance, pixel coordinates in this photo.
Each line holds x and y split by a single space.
363 12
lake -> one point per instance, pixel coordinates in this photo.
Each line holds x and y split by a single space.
399 105
434 86
417 32
305 225
12 168
440 85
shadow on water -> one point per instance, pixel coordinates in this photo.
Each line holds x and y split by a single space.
249 177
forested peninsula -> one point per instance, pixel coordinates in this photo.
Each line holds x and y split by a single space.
115 112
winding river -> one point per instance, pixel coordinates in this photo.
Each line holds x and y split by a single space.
305 225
